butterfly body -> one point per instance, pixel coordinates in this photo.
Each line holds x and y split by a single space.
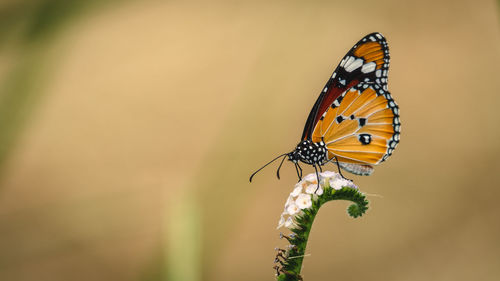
309 152
355 121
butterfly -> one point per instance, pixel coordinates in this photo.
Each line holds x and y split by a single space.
354 123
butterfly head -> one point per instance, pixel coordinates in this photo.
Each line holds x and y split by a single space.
309 152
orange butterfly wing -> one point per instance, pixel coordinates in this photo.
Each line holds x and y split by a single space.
361 128
367 61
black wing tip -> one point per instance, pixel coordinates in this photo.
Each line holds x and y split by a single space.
377 36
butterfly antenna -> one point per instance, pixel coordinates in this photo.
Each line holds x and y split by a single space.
266 165
278 171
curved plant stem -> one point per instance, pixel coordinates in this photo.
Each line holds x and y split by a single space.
290 260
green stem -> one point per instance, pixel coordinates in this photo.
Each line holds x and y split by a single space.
290 262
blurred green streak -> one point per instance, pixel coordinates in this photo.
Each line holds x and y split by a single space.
39 18
183 239
51 14
16 94
29 28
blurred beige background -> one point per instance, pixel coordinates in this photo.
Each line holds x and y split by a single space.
129 130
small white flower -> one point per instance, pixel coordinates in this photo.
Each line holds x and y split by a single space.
289 222
292 209
281 222
310 189
351 184
304 201
338 184
313 188
306 191
319 191
297 190
288 201
311 178
328 174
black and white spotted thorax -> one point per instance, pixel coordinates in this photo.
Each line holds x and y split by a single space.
309 152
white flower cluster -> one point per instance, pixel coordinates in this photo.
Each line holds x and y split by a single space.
302 195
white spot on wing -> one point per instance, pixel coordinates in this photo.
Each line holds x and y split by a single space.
368 67
348 62
378 36
354 65
378 73
343 62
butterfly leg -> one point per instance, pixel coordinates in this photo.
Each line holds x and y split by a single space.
317 177
299 173
278 171
340 172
